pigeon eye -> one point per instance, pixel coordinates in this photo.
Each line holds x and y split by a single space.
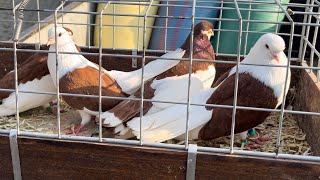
60 34
267 46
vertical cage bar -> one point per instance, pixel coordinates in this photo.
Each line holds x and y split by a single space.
303 33
62 2
89 27
190 72
57 68
314 40
13 15
14 65
39 19
277 25
247 29
143 63
286 77
138 26
219 28
15 59
318 71
113 27
100 69
307 31
234 109
18 20
166 29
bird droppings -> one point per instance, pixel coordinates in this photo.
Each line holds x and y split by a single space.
293 138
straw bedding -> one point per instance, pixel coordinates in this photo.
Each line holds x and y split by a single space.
41 120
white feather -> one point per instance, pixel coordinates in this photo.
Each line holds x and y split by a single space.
131 81
29 100
273 77
170 122
67 62
175 89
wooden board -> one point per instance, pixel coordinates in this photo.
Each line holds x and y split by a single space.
308 99
242 167
67 160
5 158
60 159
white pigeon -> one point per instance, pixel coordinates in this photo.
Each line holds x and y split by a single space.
80 76
259 86
171 85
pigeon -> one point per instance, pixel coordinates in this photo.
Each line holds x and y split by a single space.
33 75
78 75
171 85
259 86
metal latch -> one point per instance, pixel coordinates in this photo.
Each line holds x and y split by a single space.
15 154
191 162
134 61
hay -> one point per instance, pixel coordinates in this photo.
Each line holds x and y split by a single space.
40 120
293 138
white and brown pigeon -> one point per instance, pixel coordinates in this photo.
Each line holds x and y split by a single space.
78 75
33 75
171 85
259 86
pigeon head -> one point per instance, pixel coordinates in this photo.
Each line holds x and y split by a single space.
201 35
271 46
204 29
64 35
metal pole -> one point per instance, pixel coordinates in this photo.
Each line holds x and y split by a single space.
190 72
142 66
234 109
286 77
57 68
100 69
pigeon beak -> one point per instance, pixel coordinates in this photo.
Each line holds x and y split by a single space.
50 41
211 31
276 57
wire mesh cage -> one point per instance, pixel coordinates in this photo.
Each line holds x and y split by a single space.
127 36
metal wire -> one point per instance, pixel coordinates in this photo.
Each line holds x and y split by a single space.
15 68
142 67
39 28
219 27
247 29
189 77
57 68
307 32
234 109
166 30
100 69
166 146
315 35
173 17
286 77
304 39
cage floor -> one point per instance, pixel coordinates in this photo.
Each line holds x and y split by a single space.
294 142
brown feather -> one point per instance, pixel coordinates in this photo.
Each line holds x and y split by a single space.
251 93
86 81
